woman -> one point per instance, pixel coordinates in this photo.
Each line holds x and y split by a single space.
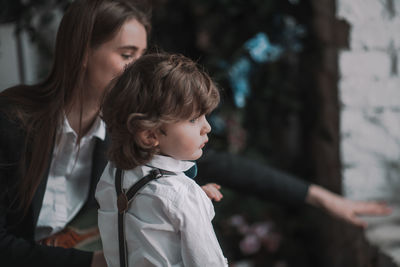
54 128
52 141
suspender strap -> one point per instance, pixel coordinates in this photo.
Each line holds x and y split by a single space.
154 174
123 202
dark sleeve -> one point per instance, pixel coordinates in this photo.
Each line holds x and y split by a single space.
21 252
15 248
251 177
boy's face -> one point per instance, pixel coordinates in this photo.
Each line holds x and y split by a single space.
184 140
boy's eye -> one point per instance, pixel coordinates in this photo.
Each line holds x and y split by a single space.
193 120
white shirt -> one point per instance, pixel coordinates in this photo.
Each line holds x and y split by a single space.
68 182
168 223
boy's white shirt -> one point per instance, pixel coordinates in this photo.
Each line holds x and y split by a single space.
167 224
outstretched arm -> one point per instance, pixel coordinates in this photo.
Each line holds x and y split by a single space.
248 176
251 177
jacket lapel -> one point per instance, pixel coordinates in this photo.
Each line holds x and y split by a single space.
39 194
98 164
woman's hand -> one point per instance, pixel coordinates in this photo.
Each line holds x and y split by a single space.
98 259
212 191
345 209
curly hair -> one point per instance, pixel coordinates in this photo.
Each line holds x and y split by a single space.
156 89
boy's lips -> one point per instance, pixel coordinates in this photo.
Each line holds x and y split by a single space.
204 144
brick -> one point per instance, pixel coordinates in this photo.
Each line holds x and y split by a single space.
387 93
353 155
342 34
369 65
324 8
330 60
394 29
324 28
373 131
397 8
372 35
369 181
364 182
360 11
358 92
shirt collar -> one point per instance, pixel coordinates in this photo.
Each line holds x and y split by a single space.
170 164
98 128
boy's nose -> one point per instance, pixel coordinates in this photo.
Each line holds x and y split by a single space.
206 127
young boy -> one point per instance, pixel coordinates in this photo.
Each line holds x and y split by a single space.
155 115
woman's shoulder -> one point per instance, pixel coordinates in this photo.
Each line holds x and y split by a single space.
8 108
10 124
12 133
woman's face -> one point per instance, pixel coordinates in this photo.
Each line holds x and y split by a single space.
108 60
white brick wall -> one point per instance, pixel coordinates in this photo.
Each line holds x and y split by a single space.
370 96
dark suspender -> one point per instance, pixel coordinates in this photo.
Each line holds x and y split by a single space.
124 197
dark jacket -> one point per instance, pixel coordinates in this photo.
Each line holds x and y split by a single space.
17 246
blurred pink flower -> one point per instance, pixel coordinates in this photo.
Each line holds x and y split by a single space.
250 244
237 220
261 230
240 224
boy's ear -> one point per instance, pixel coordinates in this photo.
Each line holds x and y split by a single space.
148 138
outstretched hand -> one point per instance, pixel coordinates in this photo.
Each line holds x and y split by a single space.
212 191
345 209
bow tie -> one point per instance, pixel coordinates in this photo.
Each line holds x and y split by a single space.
192 172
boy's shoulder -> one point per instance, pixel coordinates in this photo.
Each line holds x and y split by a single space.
176 190
180 195
174 186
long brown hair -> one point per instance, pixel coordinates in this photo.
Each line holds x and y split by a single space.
40 108
155 90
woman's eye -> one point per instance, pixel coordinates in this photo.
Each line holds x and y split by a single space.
126 56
